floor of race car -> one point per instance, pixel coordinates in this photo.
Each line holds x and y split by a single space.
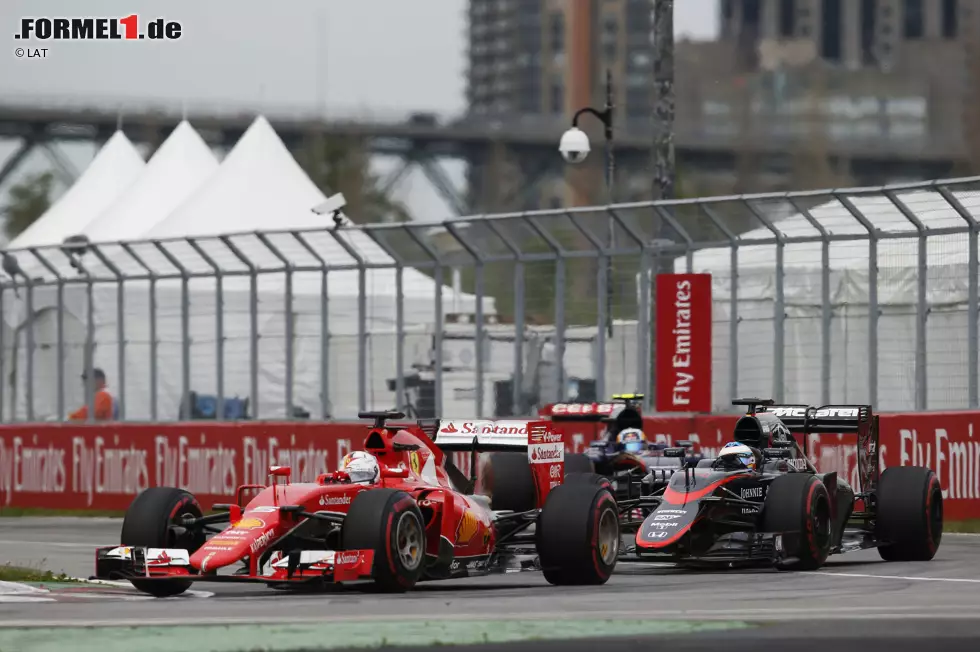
919 602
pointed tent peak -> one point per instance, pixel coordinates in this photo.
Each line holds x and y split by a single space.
115 166
180 165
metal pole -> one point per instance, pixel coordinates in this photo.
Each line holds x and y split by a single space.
663 112
30 349
3 356
480 332
154 348
437 344
90 350
973 306
517 391
560 324
325 344
362 337
643 364
610 199
400 401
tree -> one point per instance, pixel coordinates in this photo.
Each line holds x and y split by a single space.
343 164
29 200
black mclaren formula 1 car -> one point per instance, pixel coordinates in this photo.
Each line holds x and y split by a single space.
762 501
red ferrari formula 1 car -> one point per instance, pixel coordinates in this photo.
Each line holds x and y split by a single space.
418 518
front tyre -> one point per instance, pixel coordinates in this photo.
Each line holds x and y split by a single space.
797 508
153 521
388 522
578 534
909 521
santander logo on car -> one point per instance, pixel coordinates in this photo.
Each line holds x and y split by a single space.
485 428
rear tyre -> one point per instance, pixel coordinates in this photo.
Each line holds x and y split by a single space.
588 478
152 522
578 463
578 534
797 508
910 514
508 481
388 522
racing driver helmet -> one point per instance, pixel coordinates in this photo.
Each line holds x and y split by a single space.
361 467
735 456
632 440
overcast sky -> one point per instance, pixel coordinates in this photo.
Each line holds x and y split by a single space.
381 57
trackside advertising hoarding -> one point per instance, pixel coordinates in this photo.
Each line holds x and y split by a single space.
683 343
102 467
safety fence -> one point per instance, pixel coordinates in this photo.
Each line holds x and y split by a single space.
865 295
96 467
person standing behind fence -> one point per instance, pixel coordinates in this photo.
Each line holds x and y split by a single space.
105 404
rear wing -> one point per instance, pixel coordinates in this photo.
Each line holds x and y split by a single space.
545 447
834 419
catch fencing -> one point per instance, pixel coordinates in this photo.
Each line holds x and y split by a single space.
856 295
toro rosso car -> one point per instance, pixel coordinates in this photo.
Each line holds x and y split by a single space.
397 513
634 465
762 501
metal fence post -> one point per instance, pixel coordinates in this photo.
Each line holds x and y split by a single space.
185 329
642 319
288 319
559 259
219 325
733 318
517 389
3 355
253 321
825 306
973 305
29 397
59 332
921 301
90 347
120 329
324 325
779 306
872 293
362 334
152 276
479 326
438 273
600 252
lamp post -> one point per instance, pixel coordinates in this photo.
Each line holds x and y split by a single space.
575 147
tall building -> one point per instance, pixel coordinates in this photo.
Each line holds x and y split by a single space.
853 33
525 56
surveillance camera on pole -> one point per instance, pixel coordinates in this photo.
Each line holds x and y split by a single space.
574 145
333 206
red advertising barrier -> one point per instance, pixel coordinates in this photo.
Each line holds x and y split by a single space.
683 342
101 467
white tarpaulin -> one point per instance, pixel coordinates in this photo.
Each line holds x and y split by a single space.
181 164
258 187
114 168
946 258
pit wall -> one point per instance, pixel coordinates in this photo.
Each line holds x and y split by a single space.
101 467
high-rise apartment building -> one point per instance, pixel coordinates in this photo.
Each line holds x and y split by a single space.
522 61
853 33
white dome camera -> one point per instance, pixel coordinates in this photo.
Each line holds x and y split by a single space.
574 145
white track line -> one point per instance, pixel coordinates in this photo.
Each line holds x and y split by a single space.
906 578
18 542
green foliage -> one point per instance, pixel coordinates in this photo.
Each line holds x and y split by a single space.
28 200
343 164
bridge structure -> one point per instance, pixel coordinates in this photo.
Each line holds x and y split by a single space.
526 146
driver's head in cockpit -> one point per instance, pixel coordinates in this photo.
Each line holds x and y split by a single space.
632 440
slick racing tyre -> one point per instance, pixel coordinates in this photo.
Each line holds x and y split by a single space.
578 463
508 481
797 508
578 534
388 522
909 522
152 522
588 478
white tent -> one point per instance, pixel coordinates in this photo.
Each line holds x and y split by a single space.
258 187
114 168
897 285
181 164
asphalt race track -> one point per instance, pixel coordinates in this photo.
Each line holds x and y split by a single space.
856 598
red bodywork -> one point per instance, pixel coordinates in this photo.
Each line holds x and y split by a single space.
410 461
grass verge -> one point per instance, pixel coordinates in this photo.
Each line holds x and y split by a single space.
10 573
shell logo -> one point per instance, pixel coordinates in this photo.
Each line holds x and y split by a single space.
250 524
468 526
415 462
